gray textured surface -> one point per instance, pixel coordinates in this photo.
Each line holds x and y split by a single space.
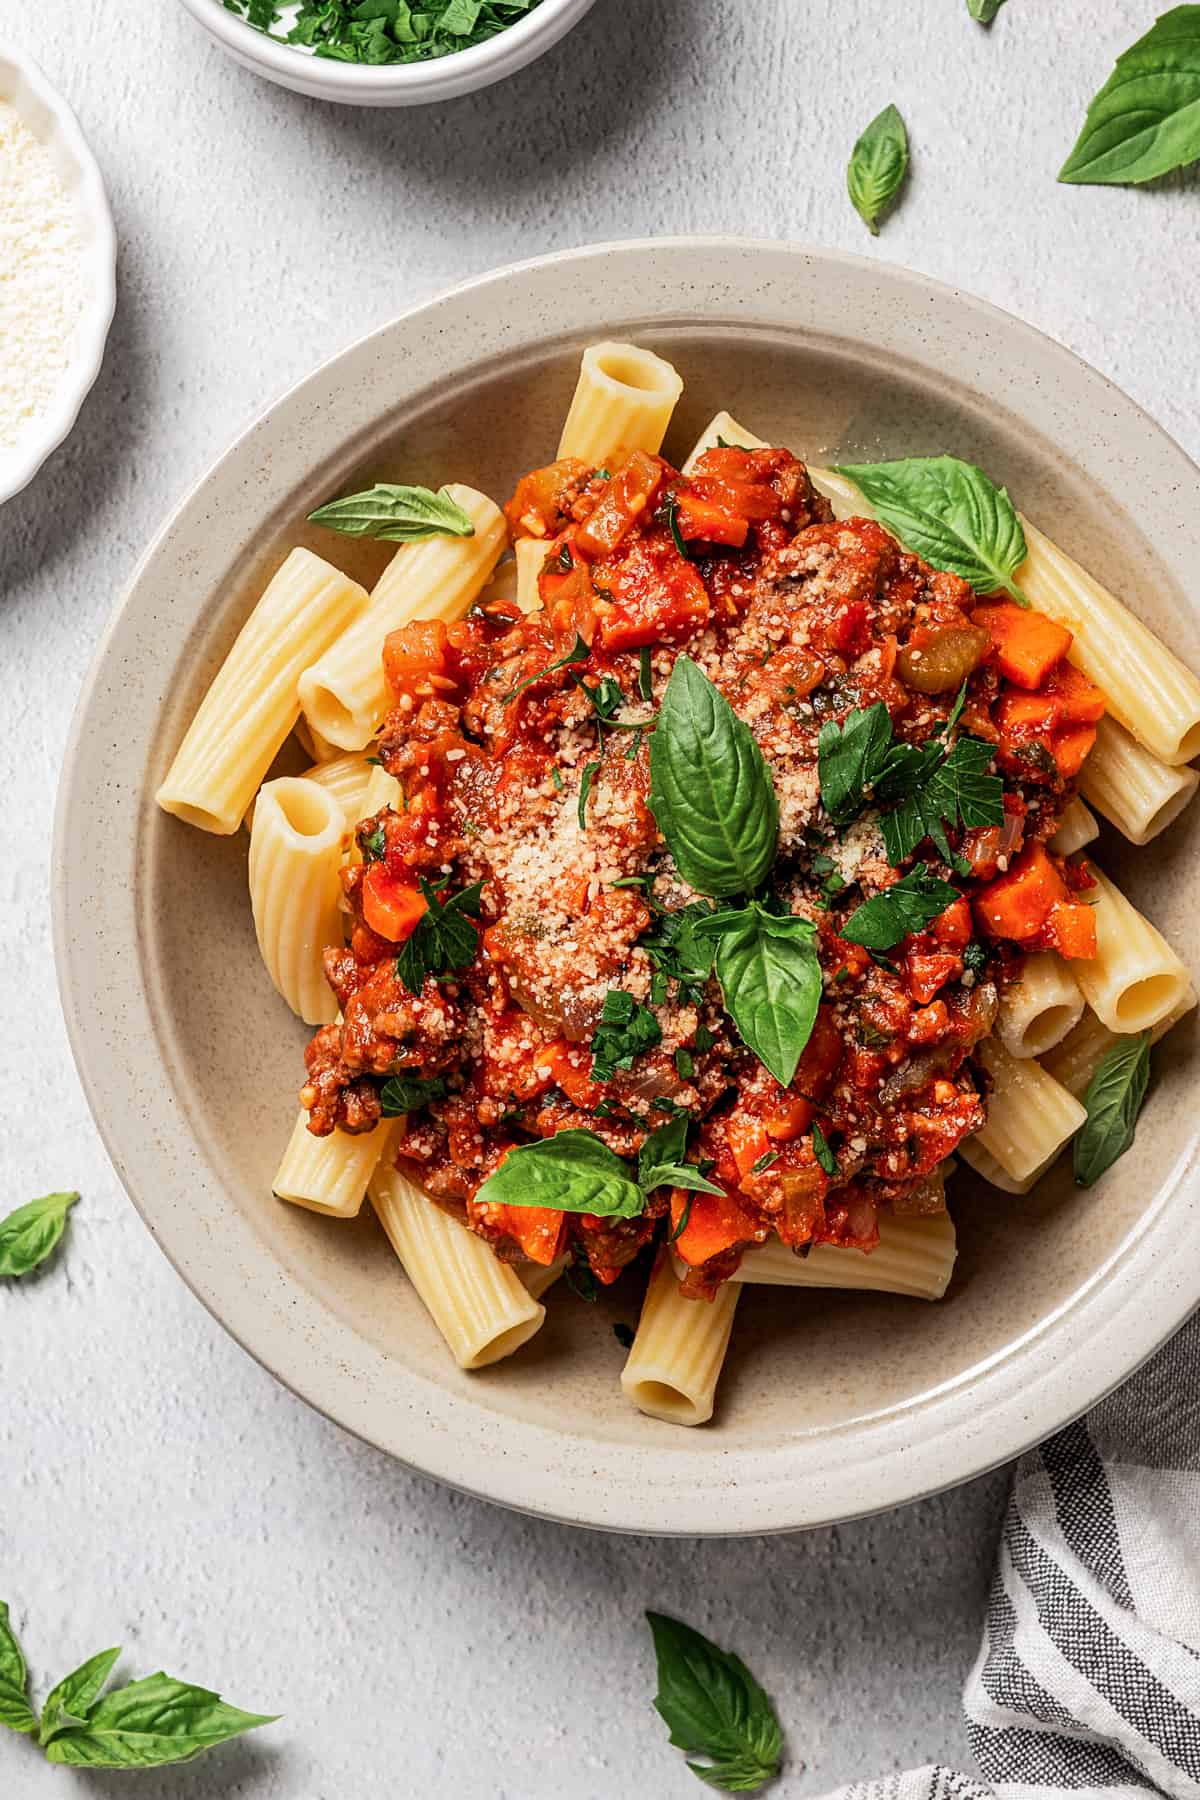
156 1487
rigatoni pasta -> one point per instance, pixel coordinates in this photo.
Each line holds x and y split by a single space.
1141 794
623 401
1040 1007
330 1174
254 702
1135 979
913 1257
678 1350
296 847
1030 1116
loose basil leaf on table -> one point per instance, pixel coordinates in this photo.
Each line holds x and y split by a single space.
661 1162
984 10
15 1710
574 1171
714 1708
877 167
770 979
397 515
28 1235
908 906
149 1724
1113 1101
710 789
1145 121
68 1703
948 512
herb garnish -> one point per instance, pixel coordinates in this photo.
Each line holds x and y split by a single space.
408 1093
624 1334
384 31
1113 1101
661 1161
27 1236
576 1172
908 906
626 1029
948 512
145 1724
822 1152
680 954
443 939
578 653
770 978
396 515
1145 121
714 1708
645 674
984 10
373 844
877 167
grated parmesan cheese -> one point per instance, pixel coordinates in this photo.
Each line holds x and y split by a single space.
42 278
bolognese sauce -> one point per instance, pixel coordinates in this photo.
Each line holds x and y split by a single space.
558 974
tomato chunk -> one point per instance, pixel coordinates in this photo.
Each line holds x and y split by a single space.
716 1222
1017 905
1026 645
656 595
391 907
537 1229
700 518
416 660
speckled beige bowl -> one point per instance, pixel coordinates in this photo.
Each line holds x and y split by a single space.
831 1404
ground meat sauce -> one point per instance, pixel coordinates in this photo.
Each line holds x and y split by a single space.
512 778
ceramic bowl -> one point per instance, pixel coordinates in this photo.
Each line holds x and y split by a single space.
399 84
47 115
830 1404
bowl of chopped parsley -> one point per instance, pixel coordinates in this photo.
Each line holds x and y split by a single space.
386 52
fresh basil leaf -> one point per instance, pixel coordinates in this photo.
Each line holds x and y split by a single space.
661 1161
951 788
28 1235
908 906
948 512
443 939
984 10
409 1093
763 1163
580 1277
1113 1101
397 515
15 1710
822 1152
578 653
645 674
68 1703
668 515
575 1171
877 167
151 1723
1145 121
770 978
714 1708
710 789
626 1029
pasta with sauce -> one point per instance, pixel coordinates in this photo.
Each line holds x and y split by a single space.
712 880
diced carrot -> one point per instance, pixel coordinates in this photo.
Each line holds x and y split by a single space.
715 1222
1026 644
569 1067
391 907
537 1229
1071 748
415 661
790 1119
928 972
700 518
1080 700
1017 905
1071 930
1021 716
952 929
748 1141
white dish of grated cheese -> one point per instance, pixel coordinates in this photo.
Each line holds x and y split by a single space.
57 270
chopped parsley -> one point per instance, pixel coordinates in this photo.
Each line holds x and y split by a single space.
444 938
382 31
408 1093
372 844
645 676
625 1030
822 1152
975 957
908 906
678 954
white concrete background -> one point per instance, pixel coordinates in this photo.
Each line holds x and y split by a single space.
157 1489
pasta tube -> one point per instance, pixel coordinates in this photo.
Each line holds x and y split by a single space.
1076 828
531 555
296 845
1131 786
252 704
986 1166
913 1256
536 1278
330 1174
1076 1059
723 429
313 744
1030 1117
679 1349
343 691
477 1302
623 401
1135 979
346 778
1039 1009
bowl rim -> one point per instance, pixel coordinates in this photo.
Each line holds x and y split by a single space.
19 466
1102 1331
444 77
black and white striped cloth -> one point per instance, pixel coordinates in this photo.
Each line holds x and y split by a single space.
1088 1679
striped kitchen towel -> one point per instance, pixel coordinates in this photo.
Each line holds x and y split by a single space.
1088 1679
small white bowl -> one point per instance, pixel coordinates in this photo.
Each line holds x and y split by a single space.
50 119
396 84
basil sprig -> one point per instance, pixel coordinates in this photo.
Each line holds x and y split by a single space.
948 512
984 10
1145 121
710 788
770 978
397 515
28 1235
908 906
576 1172
714 1708
144 1725
1113 1101
877 167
